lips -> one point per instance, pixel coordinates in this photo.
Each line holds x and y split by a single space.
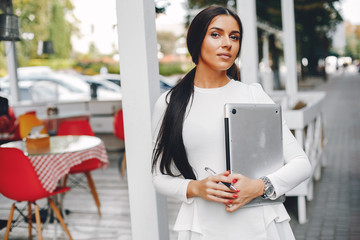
224 56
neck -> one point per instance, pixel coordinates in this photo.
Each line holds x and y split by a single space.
207 78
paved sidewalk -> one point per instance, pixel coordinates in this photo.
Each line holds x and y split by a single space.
334 213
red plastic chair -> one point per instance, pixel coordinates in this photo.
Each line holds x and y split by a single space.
119 133
82 127
19 182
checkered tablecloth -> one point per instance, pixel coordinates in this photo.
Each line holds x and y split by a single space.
51 168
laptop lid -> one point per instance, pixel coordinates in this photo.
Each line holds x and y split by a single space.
253 139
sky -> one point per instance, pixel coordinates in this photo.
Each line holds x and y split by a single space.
350 10
102 16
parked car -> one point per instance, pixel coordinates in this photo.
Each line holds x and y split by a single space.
43 91
102 88
42 84
165 84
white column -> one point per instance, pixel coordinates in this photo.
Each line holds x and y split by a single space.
288 22
12 70
246 9
140 89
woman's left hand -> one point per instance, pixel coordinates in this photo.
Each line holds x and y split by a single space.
249 189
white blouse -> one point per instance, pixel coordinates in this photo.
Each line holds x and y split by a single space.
203 136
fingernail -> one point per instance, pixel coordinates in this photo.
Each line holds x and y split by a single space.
237 190
235 195
230 201
234 180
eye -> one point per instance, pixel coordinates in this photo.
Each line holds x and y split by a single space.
235 37
215 34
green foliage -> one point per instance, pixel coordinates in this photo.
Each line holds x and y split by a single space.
60 32
90 66
56 64
172 68
46 19
193 4
352 48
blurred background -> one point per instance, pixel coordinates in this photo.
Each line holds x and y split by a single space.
67 64
79 37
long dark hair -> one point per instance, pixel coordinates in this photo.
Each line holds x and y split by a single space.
169 145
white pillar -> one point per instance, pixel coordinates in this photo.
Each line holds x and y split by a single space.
246 9
140 89
12 70
288 22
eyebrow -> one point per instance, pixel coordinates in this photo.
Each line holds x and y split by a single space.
220 29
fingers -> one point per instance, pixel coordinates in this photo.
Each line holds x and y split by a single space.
223 178
230 199
232 207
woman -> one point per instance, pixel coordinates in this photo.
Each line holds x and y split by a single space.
188 131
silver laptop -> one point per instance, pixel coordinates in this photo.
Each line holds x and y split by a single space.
253 139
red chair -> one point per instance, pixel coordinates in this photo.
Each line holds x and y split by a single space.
82 127
19 182
119 133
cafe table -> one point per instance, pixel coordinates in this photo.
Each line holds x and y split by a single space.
64 153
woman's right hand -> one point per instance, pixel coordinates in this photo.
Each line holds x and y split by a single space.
210 189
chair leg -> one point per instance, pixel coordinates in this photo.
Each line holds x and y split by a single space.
59 217
29 220
62 195
64 185
38 222
9 221
123 165
93 191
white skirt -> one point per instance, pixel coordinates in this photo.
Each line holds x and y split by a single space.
275 231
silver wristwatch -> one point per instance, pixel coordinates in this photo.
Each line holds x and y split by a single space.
269 188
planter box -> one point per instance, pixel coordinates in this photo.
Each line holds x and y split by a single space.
307 125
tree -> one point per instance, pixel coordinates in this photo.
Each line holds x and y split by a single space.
60 31
352 48
47 20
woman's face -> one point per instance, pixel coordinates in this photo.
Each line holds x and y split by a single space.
221 43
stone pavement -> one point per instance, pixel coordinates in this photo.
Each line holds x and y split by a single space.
334 213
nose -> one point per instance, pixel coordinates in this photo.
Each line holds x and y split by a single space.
226 43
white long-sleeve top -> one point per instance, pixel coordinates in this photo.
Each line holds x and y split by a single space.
203 136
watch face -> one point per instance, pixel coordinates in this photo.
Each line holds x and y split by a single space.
269 191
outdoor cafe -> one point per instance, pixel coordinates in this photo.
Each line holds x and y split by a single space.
45 144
